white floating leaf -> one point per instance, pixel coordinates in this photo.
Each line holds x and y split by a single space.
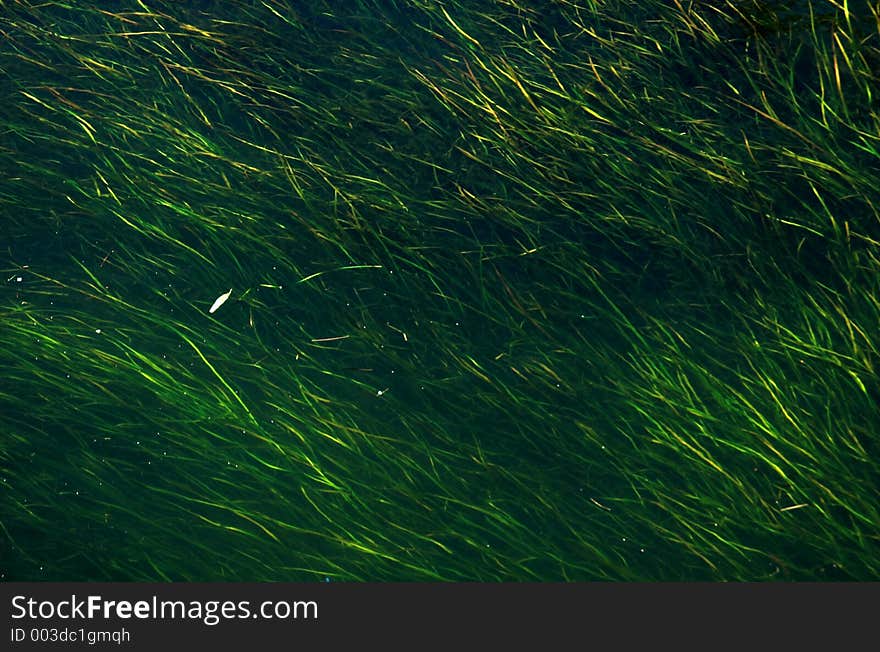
220 301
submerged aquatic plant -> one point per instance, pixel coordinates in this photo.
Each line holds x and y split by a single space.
523 291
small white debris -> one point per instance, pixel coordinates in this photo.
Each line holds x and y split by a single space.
220 301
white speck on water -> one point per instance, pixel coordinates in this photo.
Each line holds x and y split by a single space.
219 301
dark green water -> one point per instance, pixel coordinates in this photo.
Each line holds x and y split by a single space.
536 291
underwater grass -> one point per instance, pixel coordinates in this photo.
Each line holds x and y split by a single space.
520 291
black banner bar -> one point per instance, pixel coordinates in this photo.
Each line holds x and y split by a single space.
546 616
